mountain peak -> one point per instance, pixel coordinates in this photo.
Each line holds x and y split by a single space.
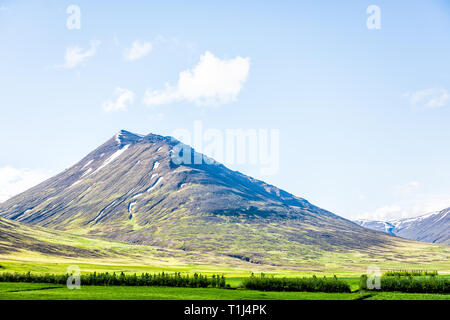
125 133
124 137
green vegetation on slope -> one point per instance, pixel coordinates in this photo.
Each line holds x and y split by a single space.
26 248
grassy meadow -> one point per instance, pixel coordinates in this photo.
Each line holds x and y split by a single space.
236 289
37 291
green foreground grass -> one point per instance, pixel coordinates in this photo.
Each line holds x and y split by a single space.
50 291
38 291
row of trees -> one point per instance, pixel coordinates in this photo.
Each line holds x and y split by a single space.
122 279
312 284
432 284
410 273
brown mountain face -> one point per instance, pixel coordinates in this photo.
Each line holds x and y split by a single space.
130 189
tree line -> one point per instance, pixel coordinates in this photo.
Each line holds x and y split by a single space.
311 284
428 284
410 273
113 279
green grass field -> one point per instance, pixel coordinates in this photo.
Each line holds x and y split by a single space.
37 291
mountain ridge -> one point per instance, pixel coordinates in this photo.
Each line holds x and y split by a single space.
431 227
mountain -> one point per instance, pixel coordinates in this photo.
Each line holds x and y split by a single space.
130 189
433 227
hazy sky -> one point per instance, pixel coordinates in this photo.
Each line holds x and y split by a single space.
363 114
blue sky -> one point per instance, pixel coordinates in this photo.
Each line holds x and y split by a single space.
362 114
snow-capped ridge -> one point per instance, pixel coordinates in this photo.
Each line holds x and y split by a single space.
431 227
124 137
397 222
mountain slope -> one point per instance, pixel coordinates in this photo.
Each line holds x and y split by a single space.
16 239
129 189
32 248
433 227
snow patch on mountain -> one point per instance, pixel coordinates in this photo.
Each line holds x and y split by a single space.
130 207
86 172
75 183
113 157
87 164
155 184
103 210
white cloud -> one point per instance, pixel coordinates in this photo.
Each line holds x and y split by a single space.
407 189
408 209
434 203
76 55
383 213
138 50
123 98
211 82
14 181
429 98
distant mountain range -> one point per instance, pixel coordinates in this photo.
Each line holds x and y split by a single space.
433 227
129 189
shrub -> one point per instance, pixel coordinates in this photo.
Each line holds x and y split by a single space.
312 284
424 284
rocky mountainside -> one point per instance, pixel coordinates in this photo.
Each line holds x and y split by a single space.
433 227
130 189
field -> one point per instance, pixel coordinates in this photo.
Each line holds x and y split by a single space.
37 291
